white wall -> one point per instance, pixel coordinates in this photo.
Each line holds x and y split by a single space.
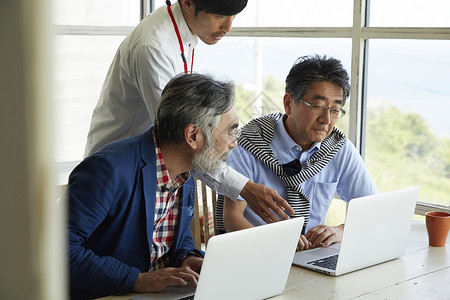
31 247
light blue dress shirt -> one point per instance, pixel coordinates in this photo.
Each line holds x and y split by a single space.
346 174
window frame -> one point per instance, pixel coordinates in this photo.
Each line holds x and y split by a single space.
360 34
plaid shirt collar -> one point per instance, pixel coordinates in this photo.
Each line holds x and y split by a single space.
163 176
167 202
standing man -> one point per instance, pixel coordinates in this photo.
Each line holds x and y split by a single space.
301 154
160 47
131 203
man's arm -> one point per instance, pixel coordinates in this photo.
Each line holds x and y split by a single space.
233 218
90 194
153 69
264 201
233 215
355 180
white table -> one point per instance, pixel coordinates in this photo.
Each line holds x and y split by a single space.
422 273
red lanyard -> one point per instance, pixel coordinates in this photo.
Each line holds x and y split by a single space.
179 40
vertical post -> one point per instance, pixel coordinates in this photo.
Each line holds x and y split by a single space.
206 233
258 103
147 6
195 224
32 254
357 75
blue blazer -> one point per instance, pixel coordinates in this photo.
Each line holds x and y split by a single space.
111 199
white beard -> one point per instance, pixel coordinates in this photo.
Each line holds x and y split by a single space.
204 161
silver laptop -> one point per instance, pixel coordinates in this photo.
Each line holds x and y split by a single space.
247 264
376 230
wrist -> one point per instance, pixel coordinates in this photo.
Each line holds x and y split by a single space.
138 285
246 191
191 253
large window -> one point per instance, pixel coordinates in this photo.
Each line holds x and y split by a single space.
81 64
259 67
409 13
407 129
88 35
395 50
97 12
407 136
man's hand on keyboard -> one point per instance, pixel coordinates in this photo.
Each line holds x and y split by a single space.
303 243
158 280
324 236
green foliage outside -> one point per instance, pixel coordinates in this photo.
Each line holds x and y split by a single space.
401 150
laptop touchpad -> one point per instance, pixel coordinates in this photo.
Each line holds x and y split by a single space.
316 253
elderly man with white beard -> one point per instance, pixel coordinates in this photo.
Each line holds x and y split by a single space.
131 203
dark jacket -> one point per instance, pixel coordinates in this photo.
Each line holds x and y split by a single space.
111 199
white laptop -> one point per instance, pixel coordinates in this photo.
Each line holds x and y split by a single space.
376 230
247 264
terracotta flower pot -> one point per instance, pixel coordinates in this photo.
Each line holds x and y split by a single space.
438 225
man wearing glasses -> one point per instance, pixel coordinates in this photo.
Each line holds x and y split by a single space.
301 154
131 203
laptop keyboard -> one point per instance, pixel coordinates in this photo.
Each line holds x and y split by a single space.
327 262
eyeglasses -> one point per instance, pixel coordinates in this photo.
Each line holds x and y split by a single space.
233 135
319 110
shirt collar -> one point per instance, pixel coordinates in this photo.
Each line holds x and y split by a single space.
287 142
185 32
163 177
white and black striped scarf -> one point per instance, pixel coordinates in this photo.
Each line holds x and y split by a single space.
256 137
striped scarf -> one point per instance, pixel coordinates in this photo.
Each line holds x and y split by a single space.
256 137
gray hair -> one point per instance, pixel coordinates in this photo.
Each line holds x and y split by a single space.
191 99
310 69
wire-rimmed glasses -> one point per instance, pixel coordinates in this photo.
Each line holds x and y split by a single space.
233 135
319 110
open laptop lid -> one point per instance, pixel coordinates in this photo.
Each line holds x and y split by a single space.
247 264
376 230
